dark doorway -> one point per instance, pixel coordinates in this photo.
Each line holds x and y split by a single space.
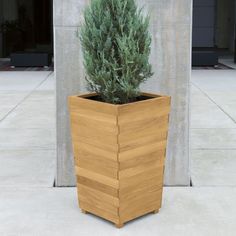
26 26
214 29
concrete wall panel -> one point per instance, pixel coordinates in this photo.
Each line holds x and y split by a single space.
171 58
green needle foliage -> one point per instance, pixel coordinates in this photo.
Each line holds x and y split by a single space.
116 48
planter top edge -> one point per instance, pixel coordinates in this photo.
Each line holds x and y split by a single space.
152 96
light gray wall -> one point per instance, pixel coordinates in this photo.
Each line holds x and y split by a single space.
171 59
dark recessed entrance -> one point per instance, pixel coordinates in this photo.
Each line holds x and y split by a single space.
26 32
214 28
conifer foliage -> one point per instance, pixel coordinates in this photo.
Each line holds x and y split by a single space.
116 48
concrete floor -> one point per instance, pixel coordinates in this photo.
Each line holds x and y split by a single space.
213 128
228 61
29 205
27 129
54 212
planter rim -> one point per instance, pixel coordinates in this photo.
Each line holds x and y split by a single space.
151 95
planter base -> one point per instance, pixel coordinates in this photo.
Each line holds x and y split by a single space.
118 225
156 211
119 156
83 211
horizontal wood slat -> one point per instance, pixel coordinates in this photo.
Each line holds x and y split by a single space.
100 136
92 122
139 201
97 166
98 186
139 188
140 169
96 143
98 195
136 179
97 152
138 142
93 200
100 212
156 123
97 163
139 160
78 102
114 183
141 151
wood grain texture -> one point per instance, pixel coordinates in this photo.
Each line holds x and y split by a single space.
119 155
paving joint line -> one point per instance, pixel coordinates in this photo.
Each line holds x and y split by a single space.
214 102
26 97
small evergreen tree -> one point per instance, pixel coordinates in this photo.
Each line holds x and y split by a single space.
116 47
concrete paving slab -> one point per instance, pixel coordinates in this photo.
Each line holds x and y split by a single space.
34 102
39 119
222 98
22 81
11 138
213 139
210 116
27 168
49 211
228 62
231 110
35 112
11 99
48 85
215 80
213 167
4 111
199 99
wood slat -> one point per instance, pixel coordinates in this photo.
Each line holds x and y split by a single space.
144 106
99 212
98 195
114 183
97 164
154 122
94 151
141 116
93 200
141 132
150 195
93 122
97 186
100 136
134 171
145 206
126 194
96 143
78 103
142 151
139 160
144 110
131 142
139 178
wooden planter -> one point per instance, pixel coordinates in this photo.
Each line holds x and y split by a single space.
119 155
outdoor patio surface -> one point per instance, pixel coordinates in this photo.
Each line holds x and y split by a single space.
54 212
27 129
30 205
213 128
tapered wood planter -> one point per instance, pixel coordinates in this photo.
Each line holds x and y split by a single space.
119 155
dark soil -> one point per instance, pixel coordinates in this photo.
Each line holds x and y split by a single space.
137 99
